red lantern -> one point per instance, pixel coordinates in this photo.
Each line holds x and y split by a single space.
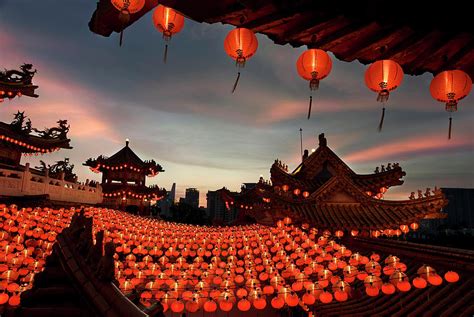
126 7
414 226
382 77
240 44
168 22
305 194
313 65
451 277
450 86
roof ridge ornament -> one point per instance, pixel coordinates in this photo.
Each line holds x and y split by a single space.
322 140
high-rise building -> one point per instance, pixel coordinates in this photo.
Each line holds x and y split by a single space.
166 203
192 197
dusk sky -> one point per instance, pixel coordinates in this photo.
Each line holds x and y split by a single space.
183 115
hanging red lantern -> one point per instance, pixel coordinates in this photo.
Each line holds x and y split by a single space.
313 65
240 44
126 8
382 77
168 22
450 86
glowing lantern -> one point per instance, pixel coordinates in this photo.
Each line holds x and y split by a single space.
435 279
243 305
305 194
168 22
127 7
210 306
419 282
313 65
177 306
260 303
339 233
278 302
414 226
382 77
451 277
296 192
450 86
372 290
240 44
285 188
404 228
325 297
354 232
388 288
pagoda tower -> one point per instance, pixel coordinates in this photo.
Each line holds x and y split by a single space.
325 192
123 180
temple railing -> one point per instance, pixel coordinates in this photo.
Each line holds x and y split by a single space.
26 182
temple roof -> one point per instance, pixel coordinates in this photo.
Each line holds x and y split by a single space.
420 36
325 192
125 158
21 135
323 164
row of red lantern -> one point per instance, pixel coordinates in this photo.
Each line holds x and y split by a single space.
179 297
115 167
314 64
9 94
26 145
26 239
128 194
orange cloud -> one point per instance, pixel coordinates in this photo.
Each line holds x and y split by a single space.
408 147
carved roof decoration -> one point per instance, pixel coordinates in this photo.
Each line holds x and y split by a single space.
17 83
20 135
420 40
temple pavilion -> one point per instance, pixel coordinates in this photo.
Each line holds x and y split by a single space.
326 193
123 180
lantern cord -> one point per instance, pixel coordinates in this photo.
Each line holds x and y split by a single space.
310 105
450 123
236 82
165 57
381 119
121 38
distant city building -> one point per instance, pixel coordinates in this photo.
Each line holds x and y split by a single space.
166 203
217 209
192 197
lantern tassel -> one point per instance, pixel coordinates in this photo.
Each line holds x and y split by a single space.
381 119
450 123
310 105
165 57
121 38
236 82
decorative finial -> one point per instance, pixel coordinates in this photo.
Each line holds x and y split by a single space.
127 140
322 140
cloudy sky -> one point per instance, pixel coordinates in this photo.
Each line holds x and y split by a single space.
183 115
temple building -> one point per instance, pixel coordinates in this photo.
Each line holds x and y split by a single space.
123 180
325 192
44 183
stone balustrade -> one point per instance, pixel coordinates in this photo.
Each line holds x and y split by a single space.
26 182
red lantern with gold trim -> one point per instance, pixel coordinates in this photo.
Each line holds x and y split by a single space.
240 44
168 22
451 86
126 8
313 65
382 77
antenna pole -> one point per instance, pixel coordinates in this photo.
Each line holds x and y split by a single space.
301 143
